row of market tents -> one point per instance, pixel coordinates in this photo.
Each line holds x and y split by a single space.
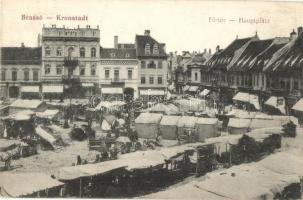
150 125
241 121
277 176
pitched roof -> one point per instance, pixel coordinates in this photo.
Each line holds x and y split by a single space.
221 59
21 55
112 53
126 46
142 40
262 59
199 59
249 54
288 58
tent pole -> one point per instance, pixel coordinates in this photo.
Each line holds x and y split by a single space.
198 161
80 189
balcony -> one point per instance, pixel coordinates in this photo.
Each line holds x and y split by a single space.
117 80
70 79
71 61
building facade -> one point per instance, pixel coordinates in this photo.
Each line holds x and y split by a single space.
20 72
69 60
153 66
118 73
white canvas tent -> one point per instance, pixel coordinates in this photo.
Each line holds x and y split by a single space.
204 93
247 98
168 127
24 184
186 123
238 126
206 128
25 104
147 125
298 106
277 103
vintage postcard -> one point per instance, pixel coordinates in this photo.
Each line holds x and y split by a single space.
165 99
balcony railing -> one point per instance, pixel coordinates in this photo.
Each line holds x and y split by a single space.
71 61
67 78
117 80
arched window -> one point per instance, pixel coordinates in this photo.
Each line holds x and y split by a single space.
59 51
14 75
82 52
147 48
155 49
47 51
35 75
26 75
70 51
93 52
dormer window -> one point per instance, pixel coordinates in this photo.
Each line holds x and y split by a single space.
112 55
155 49
127 55
147 48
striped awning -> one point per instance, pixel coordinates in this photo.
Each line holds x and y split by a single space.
111 90
31 88
52 88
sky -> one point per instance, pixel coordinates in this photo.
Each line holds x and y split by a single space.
182 25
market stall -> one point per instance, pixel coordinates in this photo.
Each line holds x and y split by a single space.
147 125
168 127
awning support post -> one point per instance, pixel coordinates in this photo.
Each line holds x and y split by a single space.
80 189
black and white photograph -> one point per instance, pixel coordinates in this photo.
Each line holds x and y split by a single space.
143 99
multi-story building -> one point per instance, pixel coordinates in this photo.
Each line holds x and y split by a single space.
118 72
284 69
70 58
20 72
220 63
271 67
153 66
181 72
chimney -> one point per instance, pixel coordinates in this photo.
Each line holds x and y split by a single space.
217 48
78 26
209 51
116 41
300 30
39 40
97 26
147 32
205 50
293 35
22 45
